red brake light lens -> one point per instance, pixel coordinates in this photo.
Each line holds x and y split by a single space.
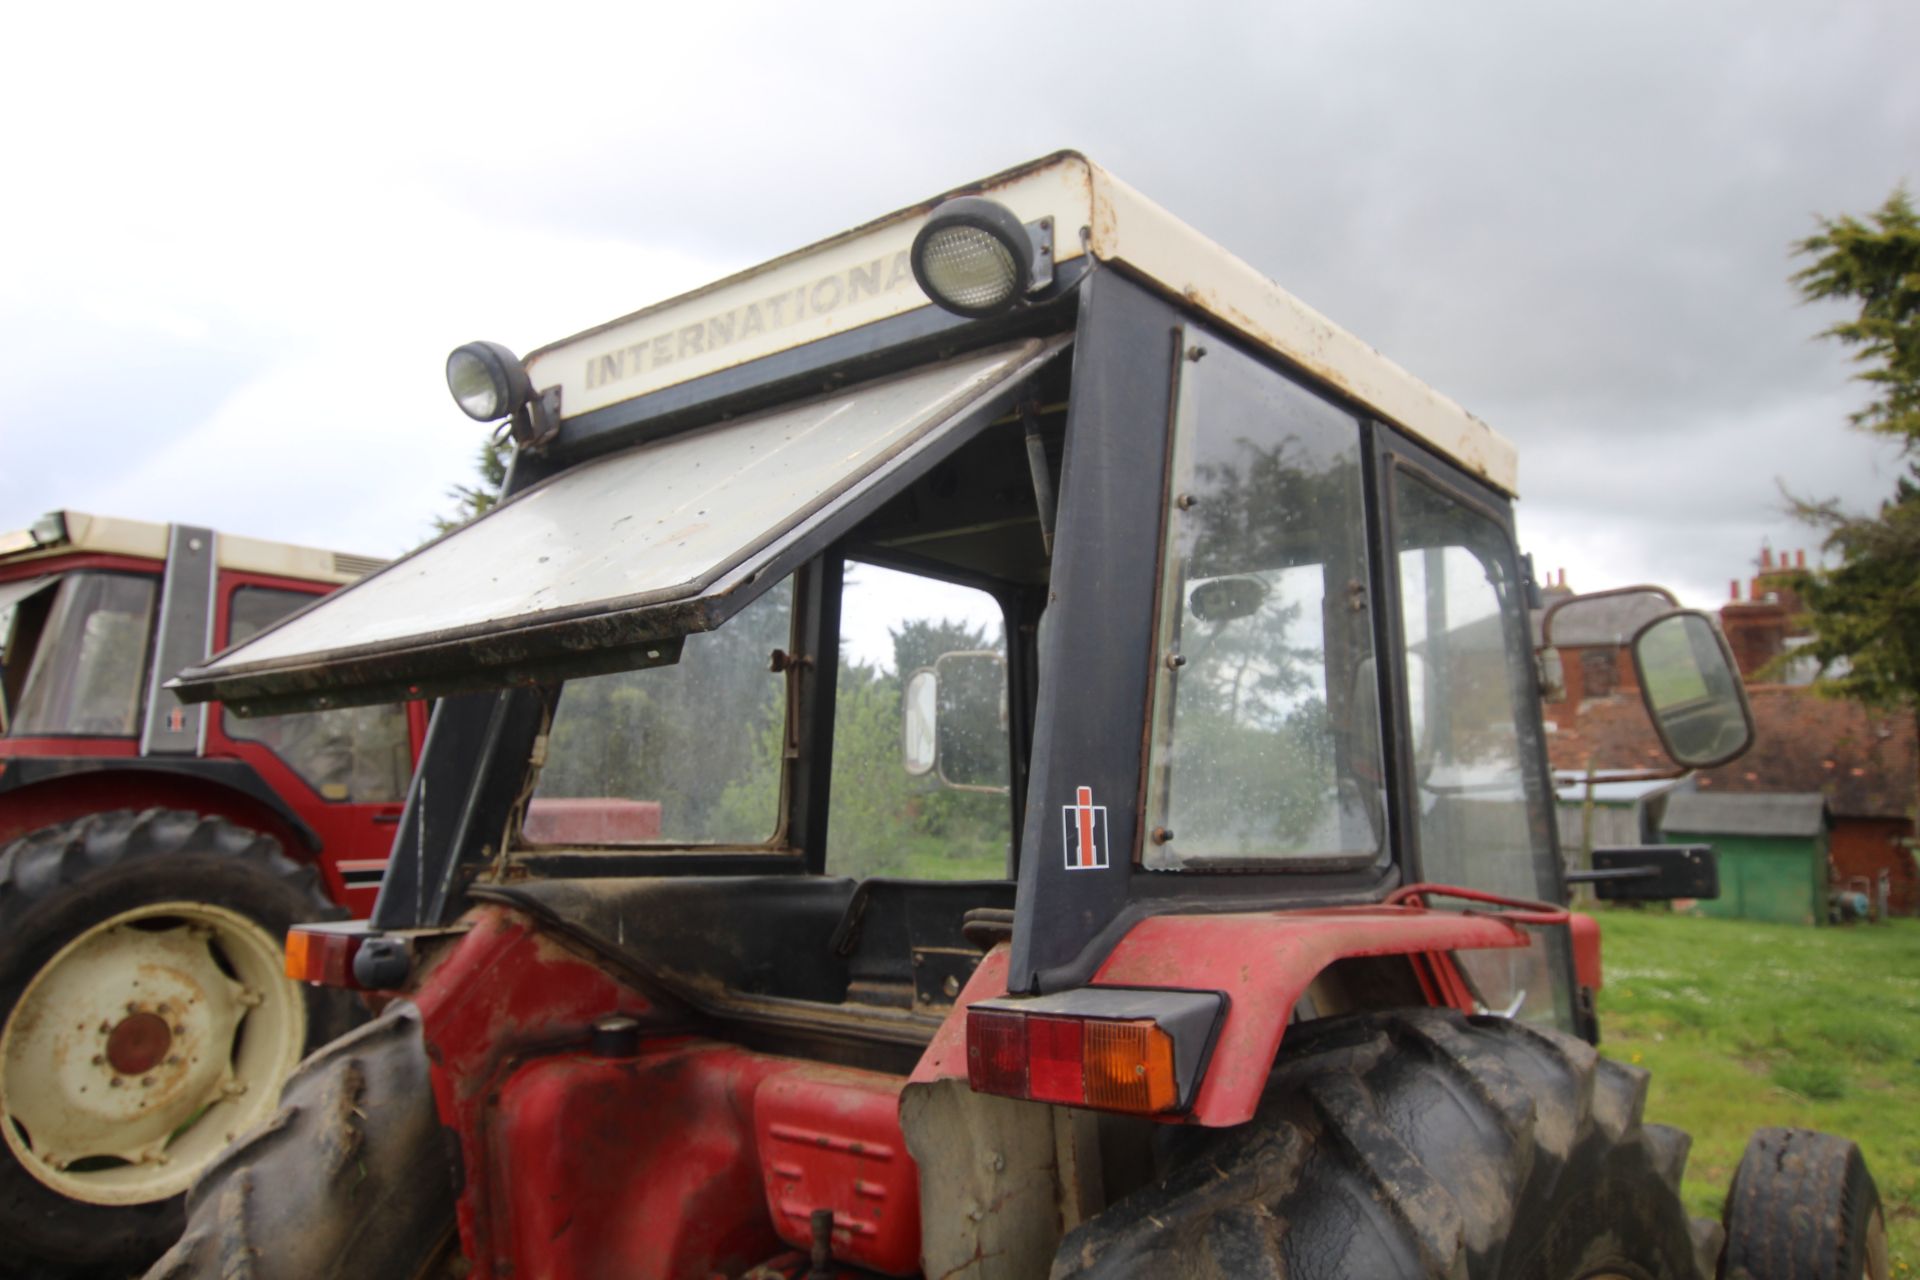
997 1053
1055 1072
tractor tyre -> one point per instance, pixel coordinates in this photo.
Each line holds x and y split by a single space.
1417 1143
1803 1207
145 1022
353 1179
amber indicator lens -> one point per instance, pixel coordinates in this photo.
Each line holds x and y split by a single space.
1129 1067
325 959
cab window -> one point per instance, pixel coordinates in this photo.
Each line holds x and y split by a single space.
1265 748
688 754
941 812
86 673
357 754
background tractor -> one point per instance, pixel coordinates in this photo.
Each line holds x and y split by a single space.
1102 823
152 857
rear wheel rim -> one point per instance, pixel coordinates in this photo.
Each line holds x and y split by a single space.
143 1047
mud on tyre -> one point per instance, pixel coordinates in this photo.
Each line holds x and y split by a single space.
1417 1144
144 1022
351 1180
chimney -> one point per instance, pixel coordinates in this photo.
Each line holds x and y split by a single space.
1800 559
1733 589
1766 557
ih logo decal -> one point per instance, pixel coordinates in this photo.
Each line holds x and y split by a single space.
1085 826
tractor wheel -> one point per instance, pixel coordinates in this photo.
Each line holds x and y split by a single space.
1803 1207
352 1180
1416 1144
145 1022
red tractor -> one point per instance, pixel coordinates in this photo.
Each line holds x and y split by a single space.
152 856
1101 824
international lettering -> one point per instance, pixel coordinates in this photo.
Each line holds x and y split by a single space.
771 313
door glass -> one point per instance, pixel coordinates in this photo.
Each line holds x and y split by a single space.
679 755
356 754
1265 747
949 821
87 670
1480 810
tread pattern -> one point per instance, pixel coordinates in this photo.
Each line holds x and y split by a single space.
39 864
1419 1143
349 1179
1800 1208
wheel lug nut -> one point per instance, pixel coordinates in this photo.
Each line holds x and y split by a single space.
115 1082
146 1082
99 1058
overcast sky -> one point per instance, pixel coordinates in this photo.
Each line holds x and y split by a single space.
236 244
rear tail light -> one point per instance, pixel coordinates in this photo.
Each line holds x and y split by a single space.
1106 1064
322 956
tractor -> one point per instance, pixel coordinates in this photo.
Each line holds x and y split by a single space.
1098 819
152 857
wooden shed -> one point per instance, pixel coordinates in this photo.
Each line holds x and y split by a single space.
1772 851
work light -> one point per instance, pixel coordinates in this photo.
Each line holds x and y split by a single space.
974 257
487 381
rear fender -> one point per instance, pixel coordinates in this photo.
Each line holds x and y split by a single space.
1264 963
37 794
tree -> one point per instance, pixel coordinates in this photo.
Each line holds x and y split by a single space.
473 501
1865 614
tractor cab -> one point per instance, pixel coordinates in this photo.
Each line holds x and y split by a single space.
1053 661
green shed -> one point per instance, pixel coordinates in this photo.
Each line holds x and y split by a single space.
1772 851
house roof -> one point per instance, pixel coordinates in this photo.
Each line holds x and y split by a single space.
1706 814
1863 761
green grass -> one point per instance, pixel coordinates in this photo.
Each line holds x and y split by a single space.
1746 1024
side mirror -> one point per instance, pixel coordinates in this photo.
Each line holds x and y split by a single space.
919 743
954 721
1692 689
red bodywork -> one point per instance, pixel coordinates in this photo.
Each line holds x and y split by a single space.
347 836
693 1157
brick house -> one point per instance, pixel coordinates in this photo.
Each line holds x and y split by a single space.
1865 762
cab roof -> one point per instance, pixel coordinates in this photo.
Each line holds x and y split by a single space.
861 276
63 533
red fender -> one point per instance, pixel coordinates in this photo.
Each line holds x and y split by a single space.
1264 962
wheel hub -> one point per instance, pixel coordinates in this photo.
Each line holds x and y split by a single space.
139 1043
143 1047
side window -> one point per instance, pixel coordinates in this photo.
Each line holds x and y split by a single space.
1265 747
86 672
951 819
678 755
357 754
1481 815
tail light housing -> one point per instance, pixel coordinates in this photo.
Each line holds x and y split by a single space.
323 956
1101 1048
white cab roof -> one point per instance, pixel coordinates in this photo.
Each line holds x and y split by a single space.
861 276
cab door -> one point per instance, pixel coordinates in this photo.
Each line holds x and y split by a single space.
1479 808
344 771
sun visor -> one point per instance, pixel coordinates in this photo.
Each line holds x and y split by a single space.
605 566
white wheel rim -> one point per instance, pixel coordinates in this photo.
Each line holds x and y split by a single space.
143 1048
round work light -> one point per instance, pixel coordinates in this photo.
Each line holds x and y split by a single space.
487 381
973 257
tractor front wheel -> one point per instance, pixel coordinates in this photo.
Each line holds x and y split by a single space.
1803 1207
1417 1144
145 1022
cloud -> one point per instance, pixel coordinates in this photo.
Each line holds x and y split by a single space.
252 234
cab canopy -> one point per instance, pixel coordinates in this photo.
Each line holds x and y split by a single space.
697 460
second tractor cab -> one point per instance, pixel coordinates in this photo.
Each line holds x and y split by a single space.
1104 820
152 856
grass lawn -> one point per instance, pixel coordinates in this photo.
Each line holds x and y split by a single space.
1746 1024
